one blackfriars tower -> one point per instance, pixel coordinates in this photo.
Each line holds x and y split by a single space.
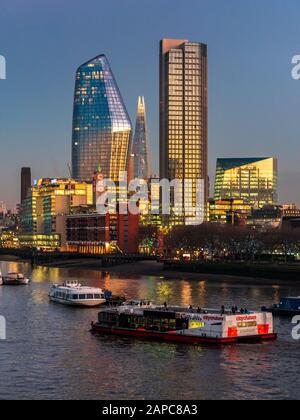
184 113
101 125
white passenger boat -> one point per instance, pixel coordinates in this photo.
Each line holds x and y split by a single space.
14 279
74 294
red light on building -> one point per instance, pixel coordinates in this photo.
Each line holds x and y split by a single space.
263 329
232 332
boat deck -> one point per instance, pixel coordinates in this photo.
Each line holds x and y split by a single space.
177 309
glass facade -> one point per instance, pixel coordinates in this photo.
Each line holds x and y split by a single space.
49 201
183 114
140 147
101 125
253 180
228 211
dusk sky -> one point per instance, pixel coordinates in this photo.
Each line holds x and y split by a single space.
254 104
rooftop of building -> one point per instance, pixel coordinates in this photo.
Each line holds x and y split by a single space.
230 163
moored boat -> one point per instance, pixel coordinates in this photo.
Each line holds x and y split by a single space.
288 306
175 324
15 279
114 300
74 294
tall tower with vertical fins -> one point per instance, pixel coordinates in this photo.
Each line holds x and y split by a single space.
140 146
184 115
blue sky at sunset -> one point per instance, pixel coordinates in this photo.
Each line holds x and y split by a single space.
254 104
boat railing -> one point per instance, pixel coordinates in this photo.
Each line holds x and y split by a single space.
180 310
74 284
183 309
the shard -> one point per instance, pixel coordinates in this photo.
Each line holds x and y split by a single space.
140 147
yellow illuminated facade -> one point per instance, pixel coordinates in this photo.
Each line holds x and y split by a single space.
9 240
150 209
225 211
40 242
183 116
49 201
253 180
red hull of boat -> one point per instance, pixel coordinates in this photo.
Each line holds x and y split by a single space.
175 338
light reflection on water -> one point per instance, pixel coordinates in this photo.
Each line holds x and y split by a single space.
50 352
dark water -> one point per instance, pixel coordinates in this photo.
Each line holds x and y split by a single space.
49 352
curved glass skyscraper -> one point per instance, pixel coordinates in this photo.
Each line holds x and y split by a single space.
101 125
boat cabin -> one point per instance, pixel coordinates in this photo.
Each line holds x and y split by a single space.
70 295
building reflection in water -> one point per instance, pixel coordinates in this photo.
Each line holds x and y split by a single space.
247 368
186 293
202 294
276 294
164 292
39 296
45 274
57 339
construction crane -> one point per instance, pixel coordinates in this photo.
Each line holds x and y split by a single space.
69 169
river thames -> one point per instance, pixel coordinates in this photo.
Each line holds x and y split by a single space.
50 353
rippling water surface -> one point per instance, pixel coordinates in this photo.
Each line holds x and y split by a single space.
49 352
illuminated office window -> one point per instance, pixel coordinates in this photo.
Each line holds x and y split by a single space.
252 179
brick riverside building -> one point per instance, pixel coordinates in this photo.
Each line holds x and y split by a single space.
98 234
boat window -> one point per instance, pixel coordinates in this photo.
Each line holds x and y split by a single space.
74 297
89 296
97 296
82 297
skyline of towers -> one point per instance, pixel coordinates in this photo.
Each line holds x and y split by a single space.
253 180
183 114
102 128
141 145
